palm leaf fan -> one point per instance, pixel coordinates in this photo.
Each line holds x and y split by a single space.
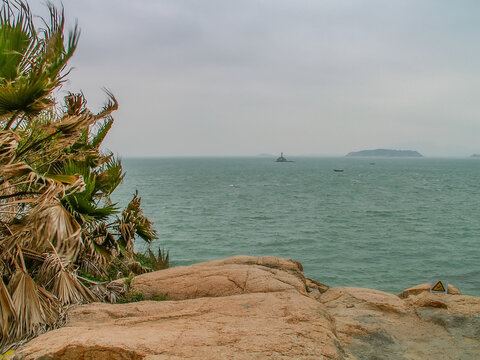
53 223
35 307
8 145
7 310
63 283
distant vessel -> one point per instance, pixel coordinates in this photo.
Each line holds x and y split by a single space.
338 170
282 159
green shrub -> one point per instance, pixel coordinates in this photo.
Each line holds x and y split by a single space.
131 297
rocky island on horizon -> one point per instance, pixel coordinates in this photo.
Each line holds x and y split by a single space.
385 153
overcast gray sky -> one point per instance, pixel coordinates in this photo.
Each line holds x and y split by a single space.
243 77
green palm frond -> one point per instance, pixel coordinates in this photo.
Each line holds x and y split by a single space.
102 131
110 176
56 53
32 66
82 204
26 95
17 33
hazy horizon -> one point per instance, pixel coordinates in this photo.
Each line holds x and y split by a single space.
321 78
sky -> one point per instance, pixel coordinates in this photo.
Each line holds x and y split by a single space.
306 77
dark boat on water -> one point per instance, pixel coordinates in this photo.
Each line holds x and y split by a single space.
338 170
283 159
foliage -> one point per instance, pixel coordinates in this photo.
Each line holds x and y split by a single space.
136 296
61 241
154 262
131 297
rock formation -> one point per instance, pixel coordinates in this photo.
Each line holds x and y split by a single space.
257 308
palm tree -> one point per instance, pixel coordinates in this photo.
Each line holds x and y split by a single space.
57 219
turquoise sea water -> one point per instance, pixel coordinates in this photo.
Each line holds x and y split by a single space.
388 226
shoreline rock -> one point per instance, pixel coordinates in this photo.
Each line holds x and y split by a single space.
255 308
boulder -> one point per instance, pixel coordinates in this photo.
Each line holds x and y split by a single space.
452 290
372 324
278 325
263 308
232 276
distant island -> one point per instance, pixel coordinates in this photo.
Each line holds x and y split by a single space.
386 153
475 155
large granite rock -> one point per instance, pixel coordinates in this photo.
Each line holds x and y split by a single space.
264 308
372 324
237 308
232 276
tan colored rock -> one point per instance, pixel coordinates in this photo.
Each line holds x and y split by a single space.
232 276
257 308
426 299
375 325
362 298
452 290
280 325
314 284
463 305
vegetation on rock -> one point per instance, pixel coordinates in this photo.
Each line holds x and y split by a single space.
62 240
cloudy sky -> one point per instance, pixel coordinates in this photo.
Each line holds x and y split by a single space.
243 77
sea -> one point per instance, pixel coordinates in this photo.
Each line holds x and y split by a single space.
381 223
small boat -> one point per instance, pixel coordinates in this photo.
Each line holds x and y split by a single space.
338 170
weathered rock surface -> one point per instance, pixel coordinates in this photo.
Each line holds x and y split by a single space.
372 324
264 308
232 276
426 288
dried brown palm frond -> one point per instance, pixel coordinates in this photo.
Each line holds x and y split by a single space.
27 184
136 268
7 310
14 235
127 232
70 128
35 307
33 255
109 291
15 170
100 248
76 104
63 283
53 223
8 145
132 223
8 209
90 265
